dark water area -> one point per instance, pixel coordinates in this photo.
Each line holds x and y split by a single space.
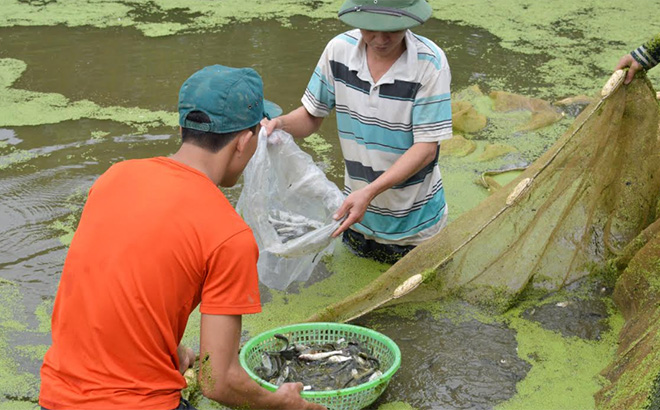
123 67
583 315
450 364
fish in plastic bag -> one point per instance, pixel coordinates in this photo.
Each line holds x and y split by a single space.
288 202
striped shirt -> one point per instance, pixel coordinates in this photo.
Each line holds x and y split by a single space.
648 54
379 121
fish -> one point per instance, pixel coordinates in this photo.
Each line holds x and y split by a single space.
321 367
320 355
289 226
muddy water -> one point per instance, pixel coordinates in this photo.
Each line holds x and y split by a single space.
451 364
46 170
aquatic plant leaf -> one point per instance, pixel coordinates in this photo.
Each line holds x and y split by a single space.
592 192
465 118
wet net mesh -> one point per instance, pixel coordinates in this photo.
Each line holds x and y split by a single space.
577 206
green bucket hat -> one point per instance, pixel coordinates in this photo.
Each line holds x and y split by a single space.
384 15
233 99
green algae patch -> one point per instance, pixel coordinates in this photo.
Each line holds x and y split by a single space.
17 405
578 44
349 273
14 383
565 371
191 335
453 309
23 108
33 352
460 162
159 17
566 31
321 148
465 118
503 178
457 146
66 227
18 156
493 151
44 313
396 405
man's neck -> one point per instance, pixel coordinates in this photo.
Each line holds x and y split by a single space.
380 63
201 160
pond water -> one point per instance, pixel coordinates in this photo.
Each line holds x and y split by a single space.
96 96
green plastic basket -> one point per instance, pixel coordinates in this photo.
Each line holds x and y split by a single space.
351 398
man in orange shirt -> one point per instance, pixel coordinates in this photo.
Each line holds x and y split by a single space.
157 238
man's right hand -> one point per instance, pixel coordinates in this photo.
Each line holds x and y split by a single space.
290 395
271 125
629 61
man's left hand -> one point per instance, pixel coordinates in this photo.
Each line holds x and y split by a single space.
186 358
353 209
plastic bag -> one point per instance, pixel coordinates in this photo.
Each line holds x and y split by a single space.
288 202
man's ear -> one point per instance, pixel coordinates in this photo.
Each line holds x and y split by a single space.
242 139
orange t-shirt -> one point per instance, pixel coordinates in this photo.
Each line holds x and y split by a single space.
155 239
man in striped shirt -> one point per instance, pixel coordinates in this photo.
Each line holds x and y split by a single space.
390 90
644 57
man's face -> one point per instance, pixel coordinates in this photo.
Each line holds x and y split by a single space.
383 43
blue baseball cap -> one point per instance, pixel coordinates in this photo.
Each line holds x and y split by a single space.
233 99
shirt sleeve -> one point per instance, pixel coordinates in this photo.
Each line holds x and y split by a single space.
319 97
231 286
648 54
431 112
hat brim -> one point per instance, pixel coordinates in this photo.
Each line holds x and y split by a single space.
271 110
373 21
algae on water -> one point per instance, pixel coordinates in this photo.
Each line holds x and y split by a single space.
22 107
583 39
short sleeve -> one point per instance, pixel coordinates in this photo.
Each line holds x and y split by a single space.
319 97
231 286
431 116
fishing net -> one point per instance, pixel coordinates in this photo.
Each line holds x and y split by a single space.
634 375
575 207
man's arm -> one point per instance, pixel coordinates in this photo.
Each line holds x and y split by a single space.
222 378
414 160
644 57
299 123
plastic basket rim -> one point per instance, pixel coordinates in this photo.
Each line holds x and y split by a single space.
323 325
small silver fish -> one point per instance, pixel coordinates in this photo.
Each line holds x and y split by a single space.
320 356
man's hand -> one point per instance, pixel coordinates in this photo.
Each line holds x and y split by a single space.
353 209
299 123
634 66
271 125
290 394
186 358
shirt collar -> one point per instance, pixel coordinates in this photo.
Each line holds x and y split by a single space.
405 68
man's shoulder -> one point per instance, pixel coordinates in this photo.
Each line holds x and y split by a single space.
130 165
346 40
427 50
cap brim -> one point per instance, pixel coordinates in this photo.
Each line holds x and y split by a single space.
271 110
367 20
